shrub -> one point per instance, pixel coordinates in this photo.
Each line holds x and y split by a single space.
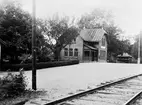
44 59
12 85
16 67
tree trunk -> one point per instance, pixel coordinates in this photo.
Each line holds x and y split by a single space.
57 53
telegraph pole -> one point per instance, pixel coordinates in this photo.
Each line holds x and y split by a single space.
34 46
139 49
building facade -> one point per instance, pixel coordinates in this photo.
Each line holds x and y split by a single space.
90 45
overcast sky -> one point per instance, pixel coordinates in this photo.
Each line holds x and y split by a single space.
127 13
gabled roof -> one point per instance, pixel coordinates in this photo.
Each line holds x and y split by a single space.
94 35
124 55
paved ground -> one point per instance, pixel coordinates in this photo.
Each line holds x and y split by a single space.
62 81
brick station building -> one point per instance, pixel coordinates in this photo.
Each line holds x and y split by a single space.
89 46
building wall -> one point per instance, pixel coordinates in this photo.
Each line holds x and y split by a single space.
102 49
77 44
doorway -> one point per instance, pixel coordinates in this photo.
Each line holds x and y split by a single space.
93 55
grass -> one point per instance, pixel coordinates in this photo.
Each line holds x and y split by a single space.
25 96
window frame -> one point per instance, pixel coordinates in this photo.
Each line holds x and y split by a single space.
102 54
70 52
66 52
76 52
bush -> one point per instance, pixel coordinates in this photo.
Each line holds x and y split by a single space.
12 85
44 59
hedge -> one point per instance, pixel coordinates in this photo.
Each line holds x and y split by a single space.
16 67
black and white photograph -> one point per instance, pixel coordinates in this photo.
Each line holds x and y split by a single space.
70 52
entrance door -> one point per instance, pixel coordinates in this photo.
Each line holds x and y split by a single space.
96 55
93 55
87 55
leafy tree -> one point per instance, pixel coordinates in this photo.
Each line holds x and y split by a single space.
59 33
96 18
101 18
126 46
43 52
16 31
115 44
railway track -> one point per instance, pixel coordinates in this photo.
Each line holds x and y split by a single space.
121 92
135 100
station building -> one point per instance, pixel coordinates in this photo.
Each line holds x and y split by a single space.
89 46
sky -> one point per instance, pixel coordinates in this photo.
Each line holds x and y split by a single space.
126 13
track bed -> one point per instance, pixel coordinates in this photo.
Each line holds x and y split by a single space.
117 94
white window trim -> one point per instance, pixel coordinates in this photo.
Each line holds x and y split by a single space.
103 47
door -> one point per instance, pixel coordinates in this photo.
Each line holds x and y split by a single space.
93 55
96 55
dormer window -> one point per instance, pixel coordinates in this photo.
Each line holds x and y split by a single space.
74 41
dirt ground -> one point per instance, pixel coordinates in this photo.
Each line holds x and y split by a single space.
62 81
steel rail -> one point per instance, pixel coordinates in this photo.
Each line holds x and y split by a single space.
133 98
22 102
91 91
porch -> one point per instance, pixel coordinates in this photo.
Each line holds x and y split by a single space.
90 54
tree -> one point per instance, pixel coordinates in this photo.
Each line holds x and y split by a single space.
126 46
101 18
115 45
96 18
44 54
59 33
16 31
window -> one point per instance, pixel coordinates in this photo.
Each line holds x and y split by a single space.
74 41
103 41
102 54
86 53
66 52
76 52
70 52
